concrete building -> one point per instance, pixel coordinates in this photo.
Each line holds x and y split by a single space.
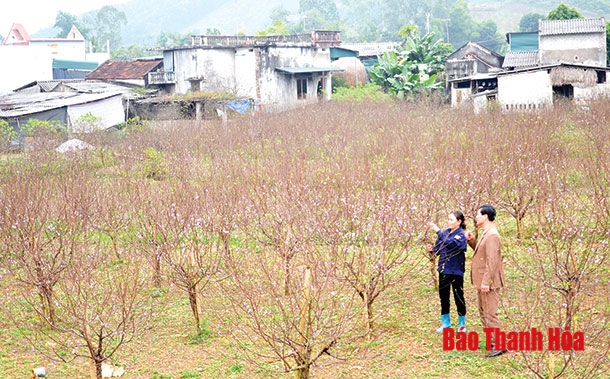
567 61
276 72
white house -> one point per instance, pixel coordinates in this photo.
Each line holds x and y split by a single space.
24 59
471 74
277 72
567 60
64 107
570 63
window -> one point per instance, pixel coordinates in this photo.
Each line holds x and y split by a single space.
601 77
301 88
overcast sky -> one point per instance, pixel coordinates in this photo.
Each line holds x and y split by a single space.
39 14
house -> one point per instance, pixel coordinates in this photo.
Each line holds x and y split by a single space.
277 72
369 53
66 69
541 86
24 59
71 47
64 107
471 74
570 63
567 61
130 73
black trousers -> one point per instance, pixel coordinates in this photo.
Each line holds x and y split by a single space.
445 284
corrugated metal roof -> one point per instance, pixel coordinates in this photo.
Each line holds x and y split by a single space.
551 66
577 26
521 59
478 76
370 49
306 70
18 104
125 69
74 65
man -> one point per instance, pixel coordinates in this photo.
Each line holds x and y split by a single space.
486 272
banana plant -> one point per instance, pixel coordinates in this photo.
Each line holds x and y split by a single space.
412 68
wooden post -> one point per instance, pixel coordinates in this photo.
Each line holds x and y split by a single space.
198 113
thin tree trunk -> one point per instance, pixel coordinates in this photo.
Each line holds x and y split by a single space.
286 260
304 323
193 290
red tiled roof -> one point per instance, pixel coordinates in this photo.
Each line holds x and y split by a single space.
125 69
17 35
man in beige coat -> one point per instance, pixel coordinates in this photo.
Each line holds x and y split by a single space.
486 272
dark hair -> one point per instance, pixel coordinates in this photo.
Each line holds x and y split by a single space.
488 210
460 217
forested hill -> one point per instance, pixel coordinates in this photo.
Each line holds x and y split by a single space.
457 21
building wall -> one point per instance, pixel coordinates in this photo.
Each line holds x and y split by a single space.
251 72
214 68
110 112
588 49
67 50
278 90
20 65
512 93
583 94
459 96
246 77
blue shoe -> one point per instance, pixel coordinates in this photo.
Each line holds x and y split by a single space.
445 322
462 324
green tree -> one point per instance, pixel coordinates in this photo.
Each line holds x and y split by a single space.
64 22
461 24
169 39
563 12
408 30
277 28
529 22
126 53
279 13
488 36
211 32
106 26
327 9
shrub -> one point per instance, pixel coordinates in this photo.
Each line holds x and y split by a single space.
7 135
369 91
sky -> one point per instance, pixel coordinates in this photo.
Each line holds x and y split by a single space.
35 15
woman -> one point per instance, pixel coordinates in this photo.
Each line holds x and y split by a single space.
451 249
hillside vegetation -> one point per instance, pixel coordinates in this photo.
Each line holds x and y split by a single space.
359 21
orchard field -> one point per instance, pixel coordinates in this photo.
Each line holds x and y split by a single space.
292 245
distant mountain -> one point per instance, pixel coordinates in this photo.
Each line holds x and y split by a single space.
147 19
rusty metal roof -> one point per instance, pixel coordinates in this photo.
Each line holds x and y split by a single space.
17 104
576 26
125 69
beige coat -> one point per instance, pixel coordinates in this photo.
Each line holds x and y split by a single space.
487 260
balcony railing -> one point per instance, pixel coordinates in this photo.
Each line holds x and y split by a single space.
161 77
316 38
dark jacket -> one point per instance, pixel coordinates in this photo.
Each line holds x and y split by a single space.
451 249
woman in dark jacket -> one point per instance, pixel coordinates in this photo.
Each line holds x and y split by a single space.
451 250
